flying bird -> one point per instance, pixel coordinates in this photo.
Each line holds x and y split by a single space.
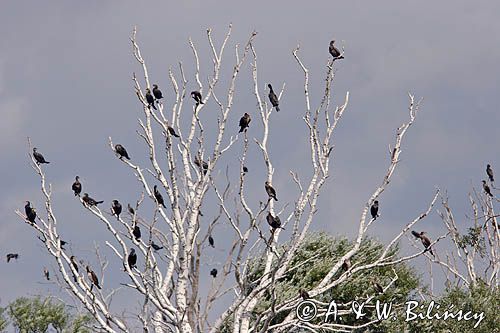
271 192
120 150
136 232
334 51
304 294
77 186
93 278
273 221
116 208
486 189
273 98
157 92
489 172
30 212
244 122
150 99
156 247
132 258
213 272
374 210
426 242
46 273
39 157
12 256
171 131
199 164
211 241
89 201
196 95
158 197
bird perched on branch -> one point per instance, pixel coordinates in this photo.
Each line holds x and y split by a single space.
11 256
157 92
39 157
30 212
273 221
199 164
334 51
486 189
171 131
130 209
374 210
93 278
62 243
273 98
156 247
211 241
132 258
271 192
346 264
136 232
150 99
196 95
378 288
244 122
75 266
116 208
489 172
304 294
245 169
426 242
89 201
77 186
159 197
46 273
121 151
213 272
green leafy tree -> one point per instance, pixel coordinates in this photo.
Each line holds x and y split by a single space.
3 320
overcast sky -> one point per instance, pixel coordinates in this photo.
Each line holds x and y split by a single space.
65 81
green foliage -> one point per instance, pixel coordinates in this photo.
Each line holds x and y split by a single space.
36 315
3 320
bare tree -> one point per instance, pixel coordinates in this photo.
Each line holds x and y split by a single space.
185 168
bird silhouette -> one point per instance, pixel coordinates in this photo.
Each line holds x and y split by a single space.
273 98
244 122
334 51
159 197
132 258
121 151
39 157
489 172
196 95
77 186
157 92
30 212
374 210
150 99
271 192
89 201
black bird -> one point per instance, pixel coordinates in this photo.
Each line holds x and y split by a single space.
132 259
245 169
424 239
39 157
93 278
273 221
89 201
346 264
213 272
374 210
273 98
489 172
199 164
157 92
334 51
75 265
486 189
62 243
150 99
196 95
130 209
116 208
120 150
211 241
12 256
159 197
304 294
46 273
77 186
244 122
30 212
171 131
156 247
271 192
378 288
136 232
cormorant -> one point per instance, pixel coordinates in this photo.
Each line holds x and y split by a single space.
245 169
244 122
334 51
159 197
120 150
271 192
273 98
346 264
171 131
77 186
130 209
424 239
93 278
12 256
46 273
273 221
213 272
199 164
39 157
489 172
487 189
211 241
30 212
374 210
136 232
132 259
150 99
196 95
62 243
156 247
304 294
378 288
116 208
75 265
89 201
157 92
